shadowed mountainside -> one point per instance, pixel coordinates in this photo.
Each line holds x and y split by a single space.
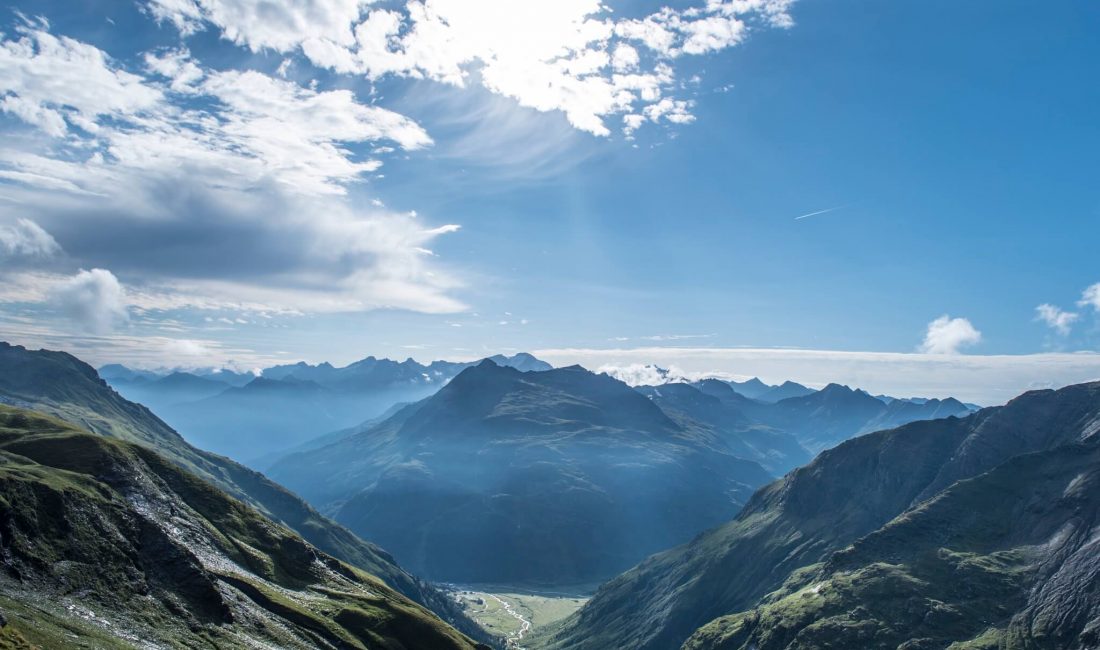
505 476
951 511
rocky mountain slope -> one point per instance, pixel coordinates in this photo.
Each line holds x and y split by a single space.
1009 558
58 384
108 544
977 531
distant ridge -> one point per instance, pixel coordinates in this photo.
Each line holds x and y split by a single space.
248 417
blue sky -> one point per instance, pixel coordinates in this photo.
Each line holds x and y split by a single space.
954 143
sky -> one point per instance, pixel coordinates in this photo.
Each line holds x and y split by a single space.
900 196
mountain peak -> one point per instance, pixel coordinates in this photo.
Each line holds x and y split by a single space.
521 361
835 388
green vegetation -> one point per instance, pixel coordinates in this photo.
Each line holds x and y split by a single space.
967 533
107 542
60 385
958 570
484 605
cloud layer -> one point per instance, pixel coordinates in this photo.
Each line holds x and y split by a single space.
203 188
984 379
574 56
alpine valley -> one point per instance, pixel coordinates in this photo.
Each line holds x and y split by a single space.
702 510
549 325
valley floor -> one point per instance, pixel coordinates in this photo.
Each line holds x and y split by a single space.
512 612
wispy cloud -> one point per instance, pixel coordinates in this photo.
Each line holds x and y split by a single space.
1057 319
138 351
1090 297
817 212
25 238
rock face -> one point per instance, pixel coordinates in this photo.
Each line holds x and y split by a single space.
979 531
506 476
58 384
107 542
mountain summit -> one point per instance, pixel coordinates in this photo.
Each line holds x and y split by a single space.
507 476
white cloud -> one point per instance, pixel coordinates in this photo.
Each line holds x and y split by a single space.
551 55
52 82
177 66
644 374
984 379
26 238
1058 320
233 175
712 34
1091 297
253 126
260 24
94 300
947 335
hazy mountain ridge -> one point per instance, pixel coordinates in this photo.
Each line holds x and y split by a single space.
790 431
554 476
62 386
247 416
715 407
923 472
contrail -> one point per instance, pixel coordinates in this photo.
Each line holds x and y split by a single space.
810 214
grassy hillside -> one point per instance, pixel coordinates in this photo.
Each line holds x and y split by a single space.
61 385
1007 559
109 544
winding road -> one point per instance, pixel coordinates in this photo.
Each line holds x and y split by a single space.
525 625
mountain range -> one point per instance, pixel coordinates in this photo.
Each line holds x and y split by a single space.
245 416
564 476
815 420
972 530
559 476
975 532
